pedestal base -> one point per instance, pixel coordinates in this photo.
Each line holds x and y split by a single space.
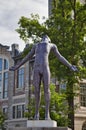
24 124
55 128
41 123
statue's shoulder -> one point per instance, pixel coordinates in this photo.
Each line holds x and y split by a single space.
38 43
53 45
35 45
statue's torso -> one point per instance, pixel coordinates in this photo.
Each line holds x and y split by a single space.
41 54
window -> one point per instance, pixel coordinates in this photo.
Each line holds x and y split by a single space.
21 78
0 85
84 126
0 64
5 86
63 86
5 64
5 111
18 111
83 94
14 112
3 78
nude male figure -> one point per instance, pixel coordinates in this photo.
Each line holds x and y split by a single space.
42 71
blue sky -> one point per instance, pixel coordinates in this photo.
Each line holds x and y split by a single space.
10 13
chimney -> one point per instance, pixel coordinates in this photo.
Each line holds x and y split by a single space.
15 49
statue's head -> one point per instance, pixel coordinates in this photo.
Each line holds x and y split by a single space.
45 38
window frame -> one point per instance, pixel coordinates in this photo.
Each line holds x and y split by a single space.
5 111
2 72
0 85
15 111
83 95
1 64
84 126
20 78
5 85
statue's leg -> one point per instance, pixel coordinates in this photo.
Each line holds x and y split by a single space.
37 82
46 82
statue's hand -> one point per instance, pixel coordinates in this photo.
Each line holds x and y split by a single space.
74 68
13 68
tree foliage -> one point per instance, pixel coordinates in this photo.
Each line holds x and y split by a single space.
65 30
58 111
30 28
2 119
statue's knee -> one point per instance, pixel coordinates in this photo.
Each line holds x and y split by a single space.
47 96
37 92
47 91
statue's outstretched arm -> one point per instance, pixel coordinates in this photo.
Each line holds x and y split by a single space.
63 60
24 60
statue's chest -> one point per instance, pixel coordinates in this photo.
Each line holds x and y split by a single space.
42 48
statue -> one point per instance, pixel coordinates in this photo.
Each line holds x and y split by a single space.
42 71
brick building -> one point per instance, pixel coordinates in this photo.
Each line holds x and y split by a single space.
14 86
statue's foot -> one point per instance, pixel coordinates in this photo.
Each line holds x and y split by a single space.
36 117
47 118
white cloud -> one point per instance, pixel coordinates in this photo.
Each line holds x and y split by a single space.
10 13
9 37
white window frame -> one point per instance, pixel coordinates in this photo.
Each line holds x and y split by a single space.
15 105
83 95
2 72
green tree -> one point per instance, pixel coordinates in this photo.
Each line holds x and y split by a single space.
31 29
67 28
57 107
58 111
2 119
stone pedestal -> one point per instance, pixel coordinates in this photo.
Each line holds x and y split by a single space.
41 123
47 128
24 124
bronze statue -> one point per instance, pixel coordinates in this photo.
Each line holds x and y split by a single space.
42 71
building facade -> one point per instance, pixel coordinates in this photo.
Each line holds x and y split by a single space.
14 86
80 113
